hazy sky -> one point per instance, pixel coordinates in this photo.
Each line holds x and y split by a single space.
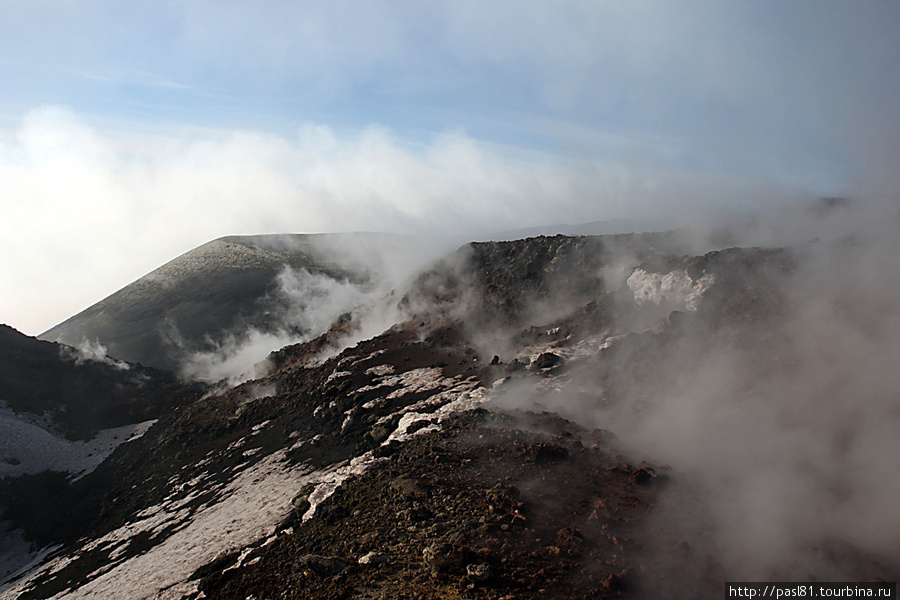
133 131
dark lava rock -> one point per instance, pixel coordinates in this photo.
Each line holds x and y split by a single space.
617 582
548 360
479 573
323 566
546 451
647 474
444 558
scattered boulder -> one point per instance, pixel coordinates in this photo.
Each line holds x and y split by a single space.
323 566
372 559
647 474
570 540
443 558
300 502
479 573
548 360
618 582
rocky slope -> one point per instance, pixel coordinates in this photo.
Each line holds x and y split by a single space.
194 302
77 391
555 417
63 410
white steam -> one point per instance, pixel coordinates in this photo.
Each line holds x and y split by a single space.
90 350
316 300
796 448
306 304
312 301
795 438
786 429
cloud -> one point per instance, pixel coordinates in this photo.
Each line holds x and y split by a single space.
804 91
87 211
788 91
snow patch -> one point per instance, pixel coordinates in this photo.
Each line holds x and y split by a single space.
337 374
355 359
260 426
18 555
423 379
328 480
251 506
455 388
466 401
675 287
380 370
27 448
461 396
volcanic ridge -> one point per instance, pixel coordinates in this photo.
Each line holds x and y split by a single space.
556 417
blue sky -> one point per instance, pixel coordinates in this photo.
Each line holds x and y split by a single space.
763 88
133 131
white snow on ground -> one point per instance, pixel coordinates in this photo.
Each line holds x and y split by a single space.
248 509
253 504
328 480
417 380
336 374
380 370
26 447
468 400
355 359
455 388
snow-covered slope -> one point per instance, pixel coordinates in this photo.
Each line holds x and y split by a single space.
27 448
